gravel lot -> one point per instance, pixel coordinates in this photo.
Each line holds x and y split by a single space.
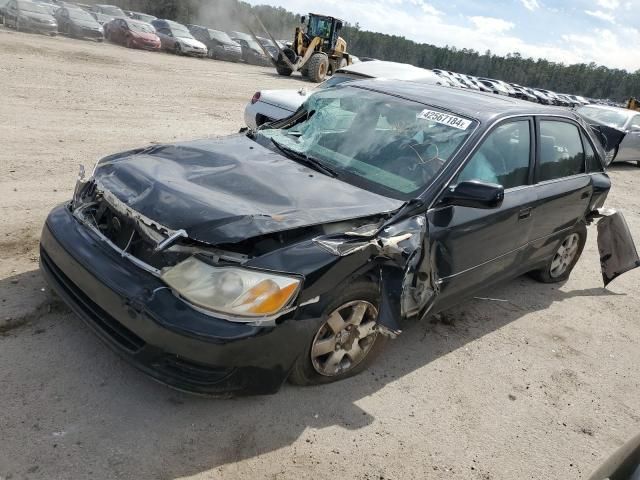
542 384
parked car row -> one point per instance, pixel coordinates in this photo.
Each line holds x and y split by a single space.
134 30
499 87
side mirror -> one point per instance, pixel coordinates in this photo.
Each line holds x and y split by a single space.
303 19
474 194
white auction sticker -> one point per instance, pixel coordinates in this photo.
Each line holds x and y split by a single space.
445 119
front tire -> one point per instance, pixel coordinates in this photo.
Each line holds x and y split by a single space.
318 67
345 339
283 71
567 253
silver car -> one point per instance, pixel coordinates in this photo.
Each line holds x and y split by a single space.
622 119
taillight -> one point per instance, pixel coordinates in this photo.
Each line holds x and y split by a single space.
256 97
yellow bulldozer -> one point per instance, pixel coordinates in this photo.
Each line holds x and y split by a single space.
317 49
633 104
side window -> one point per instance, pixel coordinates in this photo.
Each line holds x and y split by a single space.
503 157
561 153
635 123
593 163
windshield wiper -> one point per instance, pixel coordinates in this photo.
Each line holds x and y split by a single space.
306 160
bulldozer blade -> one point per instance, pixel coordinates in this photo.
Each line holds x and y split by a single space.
286 60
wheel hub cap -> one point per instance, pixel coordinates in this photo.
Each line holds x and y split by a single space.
345 339
565 255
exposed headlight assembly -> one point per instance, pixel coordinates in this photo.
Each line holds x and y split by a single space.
241 294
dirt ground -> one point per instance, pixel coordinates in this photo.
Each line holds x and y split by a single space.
542 384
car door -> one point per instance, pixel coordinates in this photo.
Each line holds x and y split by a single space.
629 149
564 188
474 247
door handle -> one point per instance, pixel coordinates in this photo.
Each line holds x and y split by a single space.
524 213
584 195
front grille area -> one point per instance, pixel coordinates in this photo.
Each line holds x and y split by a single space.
92 312
128 237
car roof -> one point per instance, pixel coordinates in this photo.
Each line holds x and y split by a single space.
383 69
609 107
470 103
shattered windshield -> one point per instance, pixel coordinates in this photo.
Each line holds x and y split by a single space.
379 142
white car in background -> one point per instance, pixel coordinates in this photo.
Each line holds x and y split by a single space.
269 105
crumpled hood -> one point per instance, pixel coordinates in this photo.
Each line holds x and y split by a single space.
288 99
231 189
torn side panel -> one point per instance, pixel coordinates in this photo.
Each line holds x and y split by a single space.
406 277
618 253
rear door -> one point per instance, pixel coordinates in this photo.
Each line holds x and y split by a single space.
564 188
474 247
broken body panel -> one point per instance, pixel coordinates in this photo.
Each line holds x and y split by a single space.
234 202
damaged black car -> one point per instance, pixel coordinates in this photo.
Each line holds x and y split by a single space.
296 251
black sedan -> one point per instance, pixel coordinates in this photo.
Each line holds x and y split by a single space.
295 251
78 23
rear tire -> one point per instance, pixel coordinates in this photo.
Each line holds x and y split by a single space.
567 253
354 345
318 67
177 49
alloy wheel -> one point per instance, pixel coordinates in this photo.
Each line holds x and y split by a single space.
345 339
565 255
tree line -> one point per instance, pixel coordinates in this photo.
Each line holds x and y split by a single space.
590 80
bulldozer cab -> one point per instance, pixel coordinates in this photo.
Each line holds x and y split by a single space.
317 49
327 28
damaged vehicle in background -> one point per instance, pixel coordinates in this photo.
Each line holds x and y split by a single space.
25 15
295 251
269 105
626 147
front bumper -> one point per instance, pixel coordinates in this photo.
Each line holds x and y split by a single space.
89 33
140 318
145 45
195 52
230 55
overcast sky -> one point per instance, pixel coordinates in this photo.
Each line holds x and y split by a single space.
572 31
